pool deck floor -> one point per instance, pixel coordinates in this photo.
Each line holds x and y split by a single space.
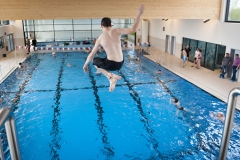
203 78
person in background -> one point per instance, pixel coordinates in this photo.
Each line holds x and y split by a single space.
187 49
225 65
196 57
235 67
184 58
159 72
34 43
179 107
20 65
137 58
219 116
28 45
69 64
54 54
199 59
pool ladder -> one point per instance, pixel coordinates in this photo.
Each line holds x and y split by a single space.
232 99
7 119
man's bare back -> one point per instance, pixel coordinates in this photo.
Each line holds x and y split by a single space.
110 40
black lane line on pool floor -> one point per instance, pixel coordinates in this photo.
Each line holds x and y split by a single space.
72 89
144 119
16 99
55 143
200 144
108 149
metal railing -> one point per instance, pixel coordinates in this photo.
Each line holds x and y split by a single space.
7 119
232 99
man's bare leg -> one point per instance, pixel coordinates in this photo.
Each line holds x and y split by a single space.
111 77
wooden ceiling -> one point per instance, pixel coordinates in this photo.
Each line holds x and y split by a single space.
79 9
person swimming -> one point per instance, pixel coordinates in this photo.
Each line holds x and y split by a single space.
110 40
179 107
159 72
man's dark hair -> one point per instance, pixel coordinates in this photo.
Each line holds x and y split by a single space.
227 53
106 22
236 54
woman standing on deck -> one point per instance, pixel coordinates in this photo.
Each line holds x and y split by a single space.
199 59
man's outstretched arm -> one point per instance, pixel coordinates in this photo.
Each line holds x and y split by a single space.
135 25
91 55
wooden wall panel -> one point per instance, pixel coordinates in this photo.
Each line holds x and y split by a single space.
78 9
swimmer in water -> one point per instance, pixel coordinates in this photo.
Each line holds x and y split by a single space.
159 72
220 116
110 41
137 58
69 64
179 107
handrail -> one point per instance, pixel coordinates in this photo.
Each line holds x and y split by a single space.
7 118
232 98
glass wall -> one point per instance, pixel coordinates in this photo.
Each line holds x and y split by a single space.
219 56
193 47
212 54
233 11
1 42
68 30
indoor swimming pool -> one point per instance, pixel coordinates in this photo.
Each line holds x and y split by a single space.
62 113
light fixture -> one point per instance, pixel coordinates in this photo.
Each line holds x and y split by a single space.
206 20
163 19
166 19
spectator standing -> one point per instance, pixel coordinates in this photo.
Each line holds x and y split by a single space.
34 43
225 65
199 58
184 58
187 49
196 57
28 45
235 67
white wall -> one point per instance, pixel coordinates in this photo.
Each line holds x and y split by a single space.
213 31
17 30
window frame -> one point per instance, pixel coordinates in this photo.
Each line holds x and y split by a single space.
227 13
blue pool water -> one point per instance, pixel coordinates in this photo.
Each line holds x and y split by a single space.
62 113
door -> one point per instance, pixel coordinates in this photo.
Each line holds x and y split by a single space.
10 42
167 43
173 42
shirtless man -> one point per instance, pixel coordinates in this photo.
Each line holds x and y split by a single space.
110 40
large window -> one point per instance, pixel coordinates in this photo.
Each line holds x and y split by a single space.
4 22
65 30
233 11
1 42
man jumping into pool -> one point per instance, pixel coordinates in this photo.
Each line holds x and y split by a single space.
110 40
